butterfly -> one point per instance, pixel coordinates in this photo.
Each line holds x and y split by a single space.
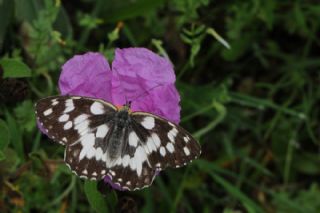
102 140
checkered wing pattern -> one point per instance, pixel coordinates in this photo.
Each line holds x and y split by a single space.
81 125
167 144
101 140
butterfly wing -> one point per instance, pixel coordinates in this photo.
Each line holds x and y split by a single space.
66 118
152 144
82 125
129 168
167 144
149 143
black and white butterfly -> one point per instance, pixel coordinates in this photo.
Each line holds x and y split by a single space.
103 140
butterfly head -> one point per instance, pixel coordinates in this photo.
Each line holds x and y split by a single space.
125 107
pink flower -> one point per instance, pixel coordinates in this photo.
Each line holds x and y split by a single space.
137 75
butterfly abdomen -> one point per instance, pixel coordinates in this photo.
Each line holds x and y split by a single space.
120 124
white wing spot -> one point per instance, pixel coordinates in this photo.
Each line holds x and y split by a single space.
47 112
94 174
69 106
103 172
54 103
126 160
80 118
156 139
87 142
133 139
102 131
163 151
68 125
64 139
99 154
170 147
63 118
85 172
140 157
75 153
97 108
186 139
150 145
112 173
148 122
172 134
91 153
186 150
81 124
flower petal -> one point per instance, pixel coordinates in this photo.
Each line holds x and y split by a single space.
108 180
86 75
147 80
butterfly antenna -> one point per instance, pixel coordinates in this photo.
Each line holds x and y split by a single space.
145 92
138 96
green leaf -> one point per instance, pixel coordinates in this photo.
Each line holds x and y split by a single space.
16 135
4 135
10 161
27 10
13 68
25 116
96 200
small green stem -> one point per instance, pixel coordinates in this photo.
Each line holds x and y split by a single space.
63 194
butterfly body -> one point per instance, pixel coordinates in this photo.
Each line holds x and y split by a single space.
103 140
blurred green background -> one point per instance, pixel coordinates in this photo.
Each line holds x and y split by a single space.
254 107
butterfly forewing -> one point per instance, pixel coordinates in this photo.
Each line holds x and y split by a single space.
66 118
80 124
166 144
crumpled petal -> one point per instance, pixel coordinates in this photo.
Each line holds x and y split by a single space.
86 75
147 80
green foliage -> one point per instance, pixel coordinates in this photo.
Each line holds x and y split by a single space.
248 76
296 202
96 200
13 68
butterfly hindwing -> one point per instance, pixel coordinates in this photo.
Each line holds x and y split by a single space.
128 178
92 167
132 169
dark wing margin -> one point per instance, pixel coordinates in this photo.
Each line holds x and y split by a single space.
128 179
66 118
167 144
